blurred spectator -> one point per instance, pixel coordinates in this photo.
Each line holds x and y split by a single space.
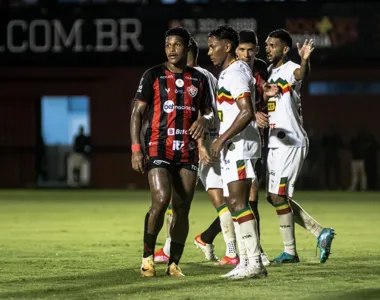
332 143
363 149
78 164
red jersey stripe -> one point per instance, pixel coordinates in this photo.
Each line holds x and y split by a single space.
153 143
170 85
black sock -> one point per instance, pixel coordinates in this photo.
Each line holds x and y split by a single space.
146 223
176 250
149 244
210 233
253 205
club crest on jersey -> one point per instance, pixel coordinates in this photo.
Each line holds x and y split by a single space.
193 91
179 83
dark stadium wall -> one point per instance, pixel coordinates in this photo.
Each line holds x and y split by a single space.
111 91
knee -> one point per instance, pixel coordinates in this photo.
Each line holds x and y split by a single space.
275 199
235 205
160 202
181 208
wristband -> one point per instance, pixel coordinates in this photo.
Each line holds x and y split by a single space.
136 147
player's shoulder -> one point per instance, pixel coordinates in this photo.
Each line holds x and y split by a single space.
239 68
155 71
205 72
292 65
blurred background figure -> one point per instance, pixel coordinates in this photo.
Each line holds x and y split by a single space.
331 144
78 164
363 152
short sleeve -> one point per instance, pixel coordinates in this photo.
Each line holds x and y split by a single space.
292 68
241 85
145 91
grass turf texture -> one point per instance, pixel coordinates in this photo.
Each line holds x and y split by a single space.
87 245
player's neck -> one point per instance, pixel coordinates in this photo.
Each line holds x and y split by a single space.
228 61
177 68
281 62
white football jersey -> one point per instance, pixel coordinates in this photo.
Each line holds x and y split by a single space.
211 133
237 82
285 119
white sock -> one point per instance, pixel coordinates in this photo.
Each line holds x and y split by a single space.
169 220
285 217
302 218
248 232
228 230
242 250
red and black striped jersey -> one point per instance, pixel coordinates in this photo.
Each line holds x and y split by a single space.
174 101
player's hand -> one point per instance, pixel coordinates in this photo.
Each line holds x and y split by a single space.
271 90
216 147
262 119
204 157
138 161
305 51
197 129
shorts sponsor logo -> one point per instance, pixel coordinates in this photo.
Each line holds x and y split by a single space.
194 167
178 145
192 90
159 162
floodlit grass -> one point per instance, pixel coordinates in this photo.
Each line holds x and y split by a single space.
87 245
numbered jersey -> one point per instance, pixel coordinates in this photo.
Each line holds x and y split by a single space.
285 119
236 82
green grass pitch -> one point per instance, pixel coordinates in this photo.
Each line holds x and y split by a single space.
87 245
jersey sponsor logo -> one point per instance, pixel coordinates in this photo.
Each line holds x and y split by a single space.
178 145
191 78
179 83
159 162
192 90
173 131
169 107
165 77
167 90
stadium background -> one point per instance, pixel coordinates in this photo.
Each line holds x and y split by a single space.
101 50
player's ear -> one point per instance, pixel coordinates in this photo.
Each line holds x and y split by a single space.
286 50
228 47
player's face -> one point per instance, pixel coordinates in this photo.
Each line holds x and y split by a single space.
217 51
247 52
275 50
175 49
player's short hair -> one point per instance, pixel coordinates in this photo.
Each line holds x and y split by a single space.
225 32
193 48
179 31
248 36
283 35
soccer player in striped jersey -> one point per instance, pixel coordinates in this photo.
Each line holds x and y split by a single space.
210 175
175 96
288 144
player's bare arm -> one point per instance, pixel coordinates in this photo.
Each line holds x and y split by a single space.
304 52
245 116
204 155
136 121
197 129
